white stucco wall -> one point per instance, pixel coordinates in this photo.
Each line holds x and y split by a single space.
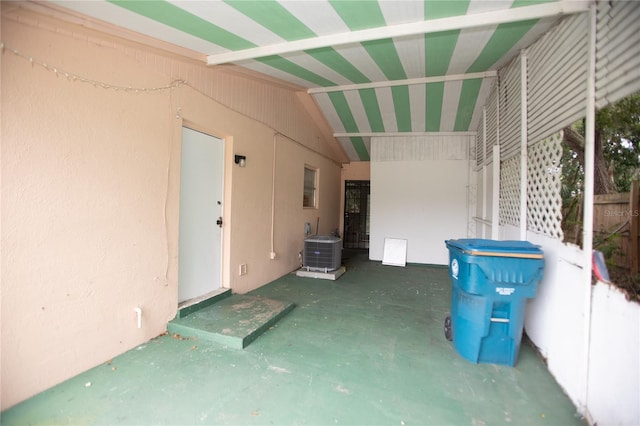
556 322
614 374
90 192
554 318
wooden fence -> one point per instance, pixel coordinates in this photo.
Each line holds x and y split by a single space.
616 223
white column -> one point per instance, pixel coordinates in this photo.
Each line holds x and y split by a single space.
523 145
485 209
587 220
495 208
495 232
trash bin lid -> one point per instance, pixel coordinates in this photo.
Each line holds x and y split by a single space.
508 248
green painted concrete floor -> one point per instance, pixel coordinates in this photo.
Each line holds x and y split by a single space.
365 349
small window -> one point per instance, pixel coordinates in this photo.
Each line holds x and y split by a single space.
310 187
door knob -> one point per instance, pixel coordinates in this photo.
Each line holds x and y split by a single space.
219 222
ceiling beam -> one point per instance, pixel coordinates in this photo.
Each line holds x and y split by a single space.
407 82
378 134
545 10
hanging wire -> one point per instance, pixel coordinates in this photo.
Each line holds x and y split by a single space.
173 85
77 78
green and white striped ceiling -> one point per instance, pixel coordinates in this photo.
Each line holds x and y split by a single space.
374 67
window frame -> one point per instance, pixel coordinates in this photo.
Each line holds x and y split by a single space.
313 202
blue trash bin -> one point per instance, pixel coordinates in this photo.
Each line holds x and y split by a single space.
491 281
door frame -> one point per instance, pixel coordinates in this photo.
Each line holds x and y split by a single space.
345 238
224 213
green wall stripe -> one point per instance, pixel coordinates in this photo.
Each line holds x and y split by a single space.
503 39
433 107
341 105
287 66
434 9
384 53
402 107
360 148
335 61
344 112
182 20
359 14
372 109
468 99
439 49
271 15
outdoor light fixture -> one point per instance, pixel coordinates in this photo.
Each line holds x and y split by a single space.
240 160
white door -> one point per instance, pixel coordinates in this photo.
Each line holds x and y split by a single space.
200 238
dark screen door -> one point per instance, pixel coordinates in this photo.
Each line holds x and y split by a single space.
356 214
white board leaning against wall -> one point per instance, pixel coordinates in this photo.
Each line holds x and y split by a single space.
419 193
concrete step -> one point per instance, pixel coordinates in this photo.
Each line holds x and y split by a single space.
234 321
190 306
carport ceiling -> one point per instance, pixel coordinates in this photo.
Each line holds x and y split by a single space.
374 67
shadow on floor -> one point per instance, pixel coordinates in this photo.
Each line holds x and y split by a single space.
365 349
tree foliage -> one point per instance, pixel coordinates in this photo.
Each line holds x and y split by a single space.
617 149
619 125
616 164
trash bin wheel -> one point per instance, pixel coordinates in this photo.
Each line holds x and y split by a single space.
448 332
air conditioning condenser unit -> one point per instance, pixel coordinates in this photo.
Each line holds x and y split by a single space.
322 253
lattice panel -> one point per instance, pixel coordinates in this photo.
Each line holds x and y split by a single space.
510 191
544 203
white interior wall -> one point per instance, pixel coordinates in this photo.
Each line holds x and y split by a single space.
419 193
484 202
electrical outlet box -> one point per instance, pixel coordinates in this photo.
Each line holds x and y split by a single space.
242 270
